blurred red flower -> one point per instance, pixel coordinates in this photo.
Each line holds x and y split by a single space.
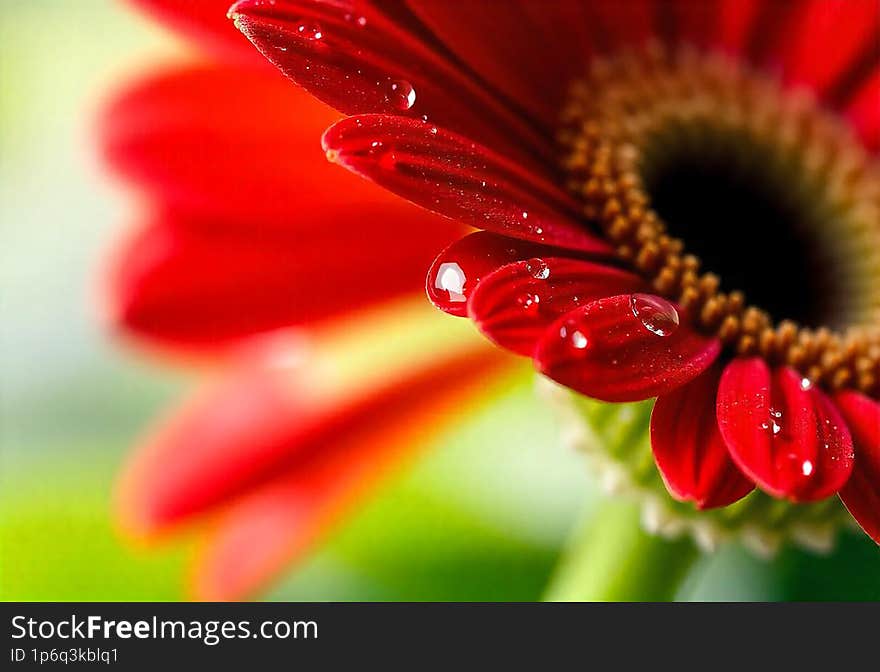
299 288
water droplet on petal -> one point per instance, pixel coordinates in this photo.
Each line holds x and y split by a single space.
538 268
773 424
310 30
401 94
806 384
657 315
578 340
529 302
451 278
797 467
573 336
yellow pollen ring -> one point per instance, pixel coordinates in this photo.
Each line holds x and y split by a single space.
608 125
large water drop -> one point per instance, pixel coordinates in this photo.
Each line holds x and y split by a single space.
450 278
310 30
401 94
538 268
657 315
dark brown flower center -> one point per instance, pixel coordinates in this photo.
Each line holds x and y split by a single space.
688 162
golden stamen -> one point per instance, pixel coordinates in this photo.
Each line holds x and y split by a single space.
612 123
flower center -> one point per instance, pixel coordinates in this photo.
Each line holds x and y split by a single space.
689 161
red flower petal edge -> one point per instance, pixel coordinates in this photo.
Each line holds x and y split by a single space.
364 59
457 270
453 176
689 449
515 304
624 348
783 432
861 494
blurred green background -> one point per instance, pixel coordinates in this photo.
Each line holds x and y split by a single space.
481 516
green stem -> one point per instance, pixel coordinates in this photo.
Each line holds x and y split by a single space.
612 559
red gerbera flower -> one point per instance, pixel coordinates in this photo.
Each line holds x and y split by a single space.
613 150
293 281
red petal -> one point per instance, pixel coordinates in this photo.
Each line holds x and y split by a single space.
736 19
236 142
360 60
217 443
624 24
457 270
256 201
188 283
782 432
688 447
453 176
534 52
694 22
828 39
769 31
203 20
282 520
624 348
863 112
273 418
514 305
861 494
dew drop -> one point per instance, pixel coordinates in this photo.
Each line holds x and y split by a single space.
310 31
773 423
796 466
378 152
529 302
450 278
657 315
806 384
401 94
573 336
579 340
538 268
